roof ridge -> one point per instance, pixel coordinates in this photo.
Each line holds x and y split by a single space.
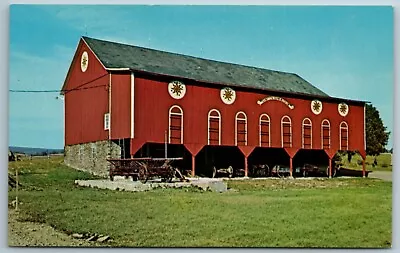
191 56
122 55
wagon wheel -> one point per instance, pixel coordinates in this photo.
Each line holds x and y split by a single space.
143 174
170 175
264 172
333 171
111 176
230 171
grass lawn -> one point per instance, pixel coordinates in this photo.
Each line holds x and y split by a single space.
256 213
384 162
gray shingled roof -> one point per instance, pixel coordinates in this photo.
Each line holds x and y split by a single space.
116 55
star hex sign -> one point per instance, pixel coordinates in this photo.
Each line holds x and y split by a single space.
343 109
316 106
228 95
84 61
176 89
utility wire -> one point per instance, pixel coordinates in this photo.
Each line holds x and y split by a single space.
80 87
49 91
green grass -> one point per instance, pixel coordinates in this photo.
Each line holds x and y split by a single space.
256 213
384 162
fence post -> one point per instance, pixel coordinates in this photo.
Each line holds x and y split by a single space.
16 194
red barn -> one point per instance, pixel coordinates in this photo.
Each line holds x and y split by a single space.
127 101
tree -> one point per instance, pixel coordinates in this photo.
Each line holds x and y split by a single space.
376 134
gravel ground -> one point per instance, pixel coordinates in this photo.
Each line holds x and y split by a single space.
384 175
213 184
38 235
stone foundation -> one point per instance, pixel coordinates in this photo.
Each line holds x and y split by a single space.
91 157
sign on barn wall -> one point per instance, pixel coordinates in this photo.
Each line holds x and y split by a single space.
262 101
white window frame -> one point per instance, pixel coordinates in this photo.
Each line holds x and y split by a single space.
245 126
169 121
269 128
302 132
219 125
107 121
290 123
322 133
340 134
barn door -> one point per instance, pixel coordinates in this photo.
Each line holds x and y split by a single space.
241 129
265 139
214 127
326 134
344 136
286 130
307 133
175 125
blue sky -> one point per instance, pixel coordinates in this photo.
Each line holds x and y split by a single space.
344 51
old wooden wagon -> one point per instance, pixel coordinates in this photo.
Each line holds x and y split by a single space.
145 168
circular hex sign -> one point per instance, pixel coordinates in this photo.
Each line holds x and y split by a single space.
316 106
343 109
228 96
84 61
176 89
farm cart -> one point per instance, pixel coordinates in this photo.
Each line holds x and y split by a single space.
223 171
145 168
229 172
280 171
260 170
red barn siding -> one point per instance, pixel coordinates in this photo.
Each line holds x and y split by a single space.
85 108
152 103
121 106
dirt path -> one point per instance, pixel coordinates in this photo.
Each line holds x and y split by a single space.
384 175
36 234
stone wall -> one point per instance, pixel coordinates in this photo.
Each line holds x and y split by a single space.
91 157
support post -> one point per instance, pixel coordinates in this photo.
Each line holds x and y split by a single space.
193 165
194 149
165 144
330 167
291 167
363 164
246 169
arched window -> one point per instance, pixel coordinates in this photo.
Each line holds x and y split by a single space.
241 129
286 132
214 127
175 125
326 134
265 138
307 133
344 136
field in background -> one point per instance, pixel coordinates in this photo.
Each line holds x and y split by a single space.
384 162
254 213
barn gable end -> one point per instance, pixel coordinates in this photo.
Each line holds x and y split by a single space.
86 98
